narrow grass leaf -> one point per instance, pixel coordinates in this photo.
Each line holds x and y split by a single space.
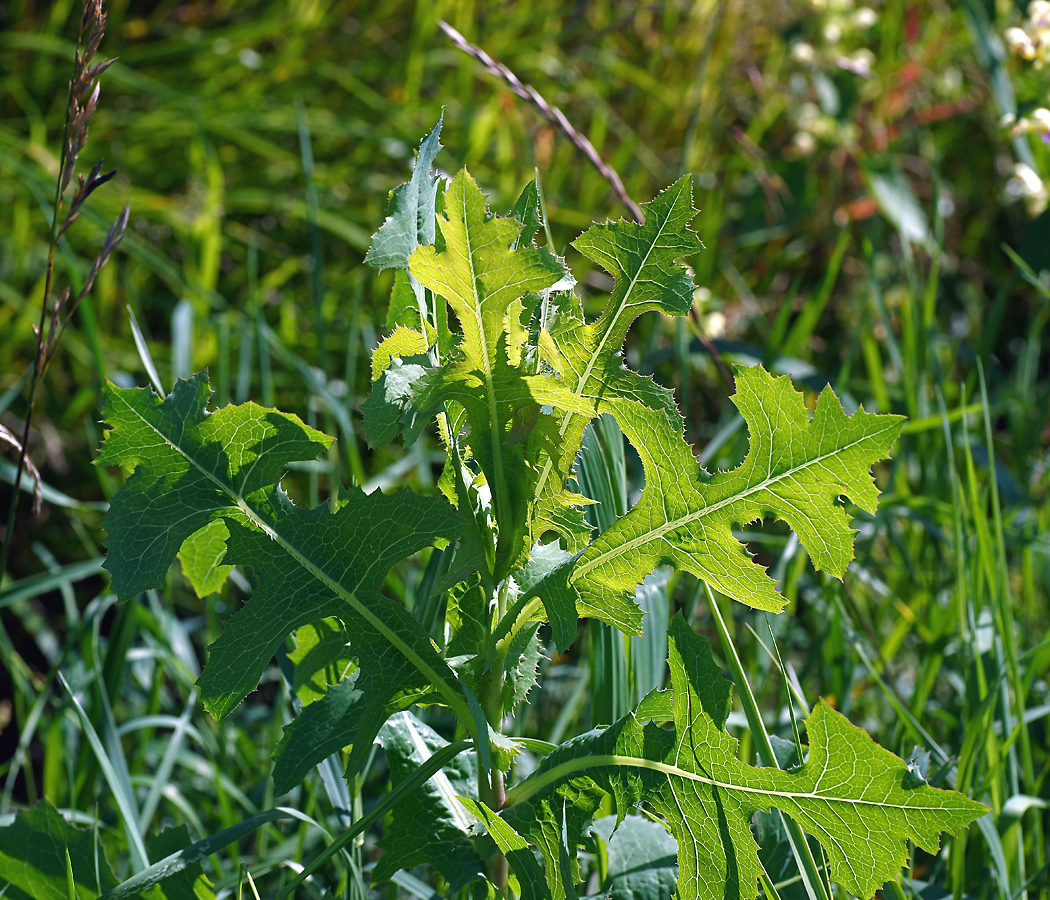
121 793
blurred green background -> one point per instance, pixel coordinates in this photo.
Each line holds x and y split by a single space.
866 225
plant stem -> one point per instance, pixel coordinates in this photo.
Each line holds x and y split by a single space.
810 871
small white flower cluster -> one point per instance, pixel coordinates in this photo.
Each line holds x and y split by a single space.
839 24
1037 122
1031 42
815 125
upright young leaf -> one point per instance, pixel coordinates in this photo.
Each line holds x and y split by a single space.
479 271
644 261
483 275
410 221
193 467
856 798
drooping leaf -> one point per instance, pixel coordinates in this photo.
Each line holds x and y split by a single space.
853 796
321 729
431 825
796 470
193 467
642 859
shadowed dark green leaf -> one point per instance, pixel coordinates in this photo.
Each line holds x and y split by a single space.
193 467
324 727
32 855
429 825
643 859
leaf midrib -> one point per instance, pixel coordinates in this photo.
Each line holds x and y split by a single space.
581 384
658 532
536 783
451 696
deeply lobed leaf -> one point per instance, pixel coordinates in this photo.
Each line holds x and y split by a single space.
644 261
858 800
193 467
795 470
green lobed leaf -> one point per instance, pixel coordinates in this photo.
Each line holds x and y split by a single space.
324 727
644 261
193 467
479 272
854 797
491 284
190 468
796 469
521 667
401 342
485 277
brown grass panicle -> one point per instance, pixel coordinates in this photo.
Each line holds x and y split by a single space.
55 315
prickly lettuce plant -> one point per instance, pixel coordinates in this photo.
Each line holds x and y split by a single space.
512 378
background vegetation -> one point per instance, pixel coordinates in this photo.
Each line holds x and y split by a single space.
866 224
